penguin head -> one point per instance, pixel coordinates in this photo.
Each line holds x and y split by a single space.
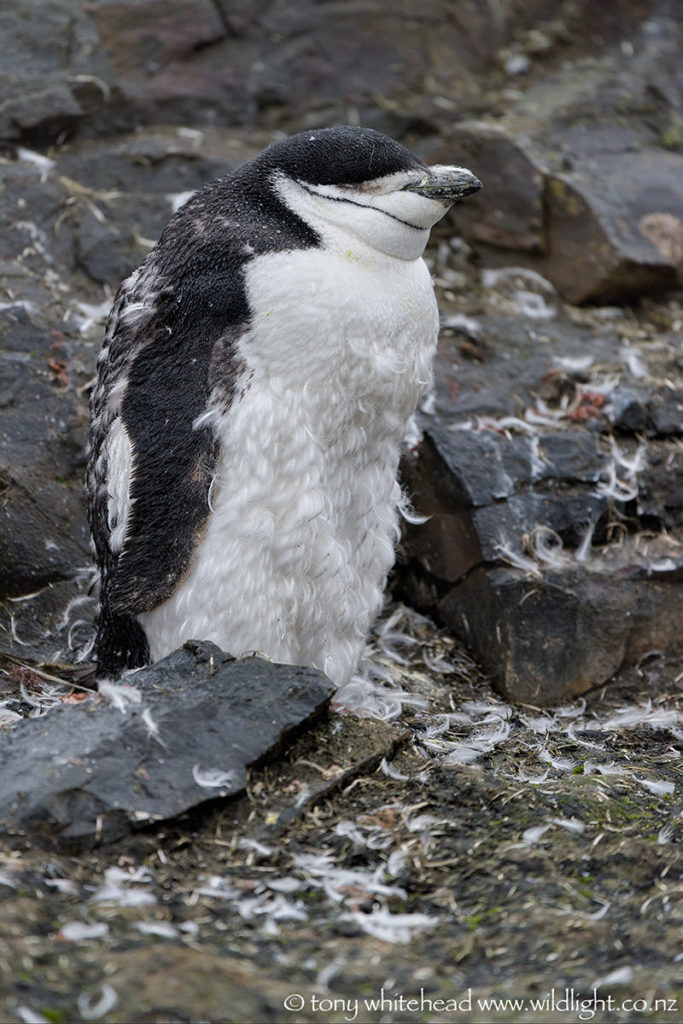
354 185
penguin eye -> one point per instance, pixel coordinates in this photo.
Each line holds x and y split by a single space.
389 183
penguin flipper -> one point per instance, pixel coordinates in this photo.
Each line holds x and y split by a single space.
152 461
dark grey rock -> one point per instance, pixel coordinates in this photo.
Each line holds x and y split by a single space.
569 512
628 409
42 433
159 163
661 496
665 410
552 638
226 63
90 772
656 412
504 560
511 214
47 49
445 547
583 174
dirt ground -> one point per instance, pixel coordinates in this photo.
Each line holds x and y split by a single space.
463 861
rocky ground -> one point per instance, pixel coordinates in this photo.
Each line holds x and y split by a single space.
463 851
507 824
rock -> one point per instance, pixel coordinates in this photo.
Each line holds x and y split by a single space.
656 412
43 114
554 550
665 410
596 248
162 162
160 984
90 772
293 65
510 214
661 495
628 409
42 526
551 638
588 192
51 57
588 230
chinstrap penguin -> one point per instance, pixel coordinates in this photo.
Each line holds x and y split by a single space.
257 376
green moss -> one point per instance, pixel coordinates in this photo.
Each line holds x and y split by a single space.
53 1014
474 920
672 137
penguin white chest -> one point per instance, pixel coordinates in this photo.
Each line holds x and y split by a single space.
303 522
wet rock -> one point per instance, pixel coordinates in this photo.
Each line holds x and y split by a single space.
628 409
511 214
447 545
587 191
51 55
666 412
42 525
656 412
661 495
553 637
596 249
162 162
280 62
588 230
91 772
553 549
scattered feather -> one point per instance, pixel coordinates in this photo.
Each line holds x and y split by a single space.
30 1016
574 364
614 488
604 768
64 885
151 726
664 835
631 358
93 1007
530 836
570 824
388 927
636 715
29 156
162 929
79 931
563 764
217 778
256 847
372 839
621 976
657 786
392 772
120 695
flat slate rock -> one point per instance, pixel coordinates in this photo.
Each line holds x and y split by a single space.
93 772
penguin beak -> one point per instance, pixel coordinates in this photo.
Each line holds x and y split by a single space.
445 184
